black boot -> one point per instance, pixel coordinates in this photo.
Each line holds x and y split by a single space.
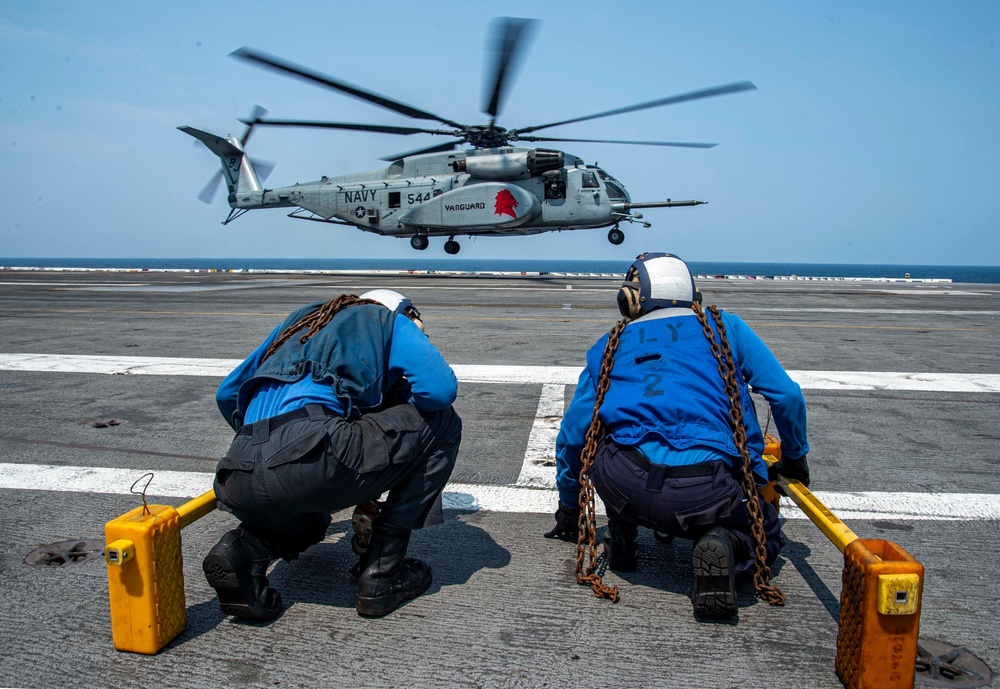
237 569
388 578
714 566
621 540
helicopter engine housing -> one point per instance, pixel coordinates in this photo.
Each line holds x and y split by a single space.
510 166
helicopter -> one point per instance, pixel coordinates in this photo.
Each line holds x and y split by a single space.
495 188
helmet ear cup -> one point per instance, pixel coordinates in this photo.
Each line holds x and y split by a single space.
628 301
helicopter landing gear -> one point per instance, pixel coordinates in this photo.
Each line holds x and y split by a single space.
419 242
616 236
451 246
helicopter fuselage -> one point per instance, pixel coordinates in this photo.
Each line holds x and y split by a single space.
494 191
507 190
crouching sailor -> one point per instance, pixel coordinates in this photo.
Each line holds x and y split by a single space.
343 401
668 454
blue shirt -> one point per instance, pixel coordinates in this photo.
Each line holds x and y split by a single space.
641 425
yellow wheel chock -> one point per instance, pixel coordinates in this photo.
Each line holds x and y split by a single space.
146 573
879 600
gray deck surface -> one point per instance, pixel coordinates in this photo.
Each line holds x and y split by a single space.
504 610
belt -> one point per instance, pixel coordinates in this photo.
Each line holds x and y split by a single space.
276 422
680 471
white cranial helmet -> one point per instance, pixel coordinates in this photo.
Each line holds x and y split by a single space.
656 281
395 302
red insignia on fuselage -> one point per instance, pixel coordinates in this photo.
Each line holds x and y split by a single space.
505 204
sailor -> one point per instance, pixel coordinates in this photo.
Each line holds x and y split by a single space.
668 458
343 401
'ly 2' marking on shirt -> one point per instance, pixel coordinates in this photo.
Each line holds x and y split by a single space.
673 334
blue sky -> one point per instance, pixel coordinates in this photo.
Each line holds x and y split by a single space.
873 137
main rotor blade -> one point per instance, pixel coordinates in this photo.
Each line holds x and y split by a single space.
693 95
279 65
257 113
616 141
507 48
432 149
377 128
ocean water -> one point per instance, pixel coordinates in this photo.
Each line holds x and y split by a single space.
979 274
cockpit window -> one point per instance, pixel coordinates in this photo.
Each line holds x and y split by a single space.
589 180
615 192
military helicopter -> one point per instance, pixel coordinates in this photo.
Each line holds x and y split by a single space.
495 188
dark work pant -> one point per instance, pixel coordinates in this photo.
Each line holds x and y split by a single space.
284 482
684 507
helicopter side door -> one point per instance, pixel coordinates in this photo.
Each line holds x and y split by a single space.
586 199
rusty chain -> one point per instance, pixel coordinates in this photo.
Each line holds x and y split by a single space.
723 355
586 539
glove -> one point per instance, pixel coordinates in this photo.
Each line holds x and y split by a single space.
797 469
567 523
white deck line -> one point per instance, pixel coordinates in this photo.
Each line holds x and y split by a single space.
868 505
496 374
538 468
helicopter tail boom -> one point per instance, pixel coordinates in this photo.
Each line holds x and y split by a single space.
236 166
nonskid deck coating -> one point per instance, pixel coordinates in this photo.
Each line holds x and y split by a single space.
503 611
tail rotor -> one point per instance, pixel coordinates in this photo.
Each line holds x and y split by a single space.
263 168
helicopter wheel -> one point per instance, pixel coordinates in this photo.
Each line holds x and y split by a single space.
419 242
452 247
616 236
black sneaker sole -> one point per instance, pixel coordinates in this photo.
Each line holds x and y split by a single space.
235 596
715 579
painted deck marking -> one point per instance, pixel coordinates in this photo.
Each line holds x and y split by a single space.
538 469
867 505
497 374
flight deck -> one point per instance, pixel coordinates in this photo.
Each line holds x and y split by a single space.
106 376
